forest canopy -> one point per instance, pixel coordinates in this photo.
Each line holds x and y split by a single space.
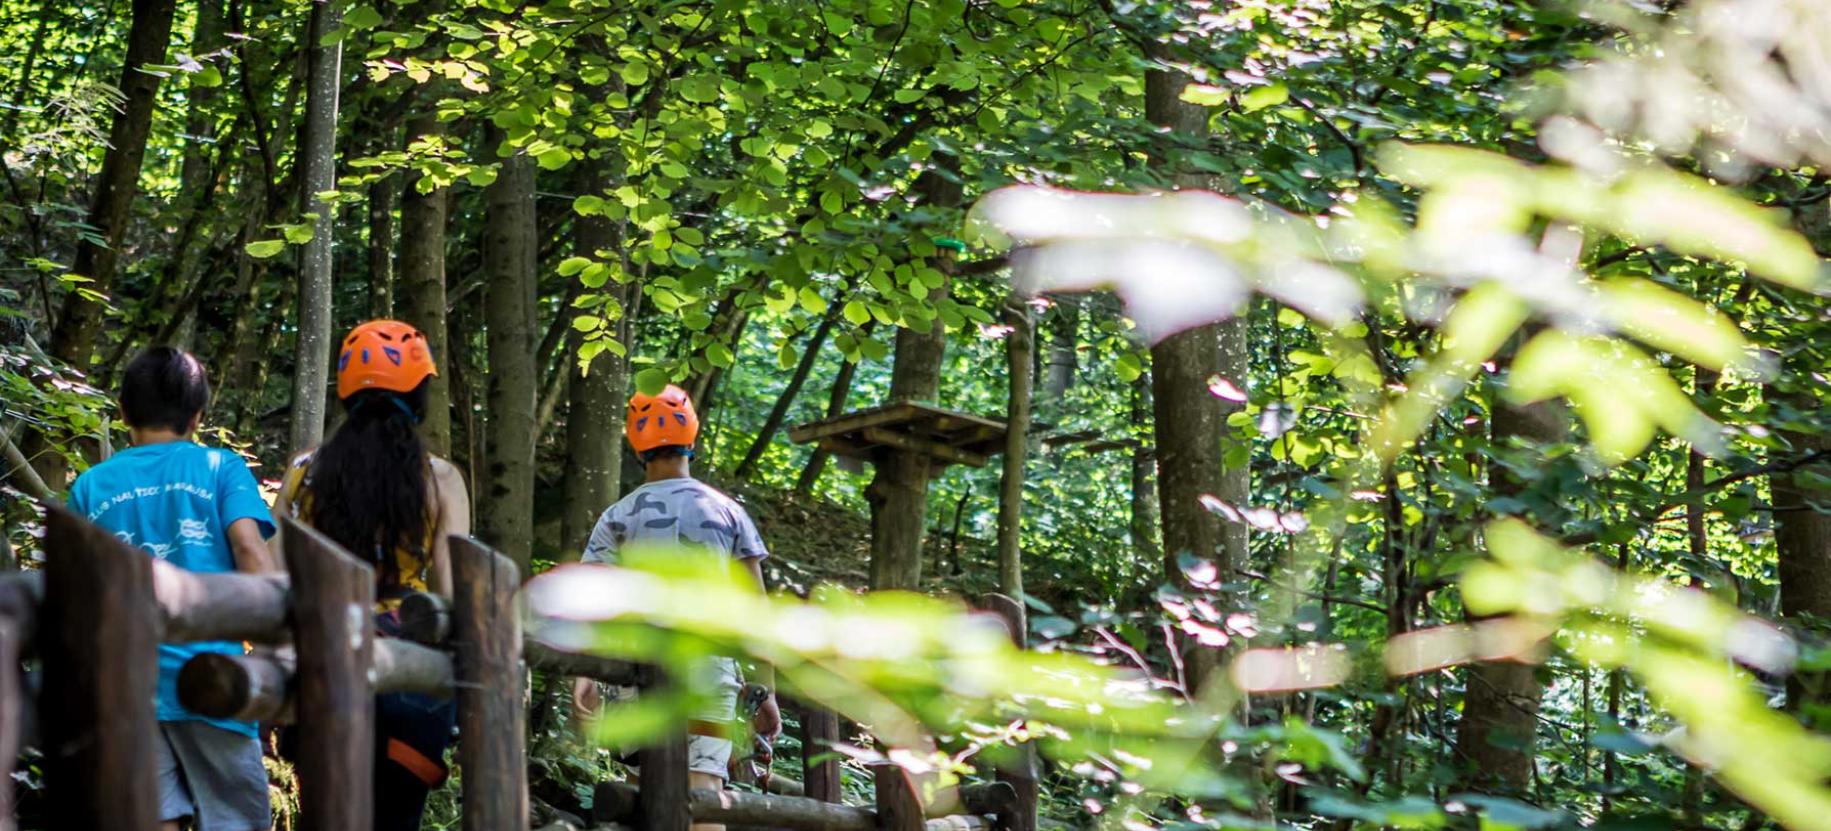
1420 400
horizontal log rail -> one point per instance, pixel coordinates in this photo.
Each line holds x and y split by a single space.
259 687
616 802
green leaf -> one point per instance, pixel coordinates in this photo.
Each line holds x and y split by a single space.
1267 96
873 349
263 249
699 89
651 381
208 76
362 17
298 234
1128 367
812 301
553 158
720 355
635 73
573 265
586 323
819 128
856 312
1204 95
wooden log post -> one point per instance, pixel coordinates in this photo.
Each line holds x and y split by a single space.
662 802
492 733
1020 772
99 642
819 764
221 606
12 718
333 602
899 807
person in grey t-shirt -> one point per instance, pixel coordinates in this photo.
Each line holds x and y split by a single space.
671 507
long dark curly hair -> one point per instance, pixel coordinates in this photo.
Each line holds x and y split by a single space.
368 481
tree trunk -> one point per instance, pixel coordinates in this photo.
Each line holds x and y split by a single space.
836 404
898 492
381 248
423 219
1500 704
74 338
1190 422
317 155
509 251
1144 520
1802 538
1063 357
594 444
1020 363
778 413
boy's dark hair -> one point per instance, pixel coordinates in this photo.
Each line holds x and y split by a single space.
163 387
666 451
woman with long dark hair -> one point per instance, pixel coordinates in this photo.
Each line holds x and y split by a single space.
374 489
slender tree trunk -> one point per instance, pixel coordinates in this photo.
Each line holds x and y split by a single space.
1802 538
594 415
510 247
1190 421
381 248
778 413
317 151
836 404
898 492
1063 357
1020 348
116 187
1144 520
423 220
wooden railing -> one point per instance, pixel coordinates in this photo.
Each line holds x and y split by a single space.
96 612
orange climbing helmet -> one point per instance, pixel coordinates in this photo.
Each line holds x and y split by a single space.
661 420
383 355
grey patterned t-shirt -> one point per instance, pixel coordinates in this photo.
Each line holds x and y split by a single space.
683 511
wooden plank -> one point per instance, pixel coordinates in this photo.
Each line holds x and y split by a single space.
926 447
662 803
819 733
1020 772
98 641
492 728
333 603
852 422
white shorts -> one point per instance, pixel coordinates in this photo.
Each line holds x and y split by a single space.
709 755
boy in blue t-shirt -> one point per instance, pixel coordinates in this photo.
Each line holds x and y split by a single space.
198 508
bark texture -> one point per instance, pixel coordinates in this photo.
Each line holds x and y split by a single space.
594 414
898 492
1500 705
311 375
422 276
1020 363
510 248
74 337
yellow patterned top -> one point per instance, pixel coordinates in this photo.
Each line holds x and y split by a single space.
412 565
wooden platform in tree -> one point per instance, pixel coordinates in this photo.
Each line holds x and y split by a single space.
946 436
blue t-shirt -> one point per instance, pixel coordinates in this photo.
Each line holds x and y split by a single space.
176 501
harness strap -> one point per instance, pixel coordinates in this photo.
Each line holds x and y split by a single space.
423 767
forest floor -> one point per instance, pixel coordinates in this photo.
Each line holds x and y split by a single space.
814 540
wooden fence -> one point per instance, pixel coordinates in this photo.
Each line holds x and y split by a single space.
95 614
